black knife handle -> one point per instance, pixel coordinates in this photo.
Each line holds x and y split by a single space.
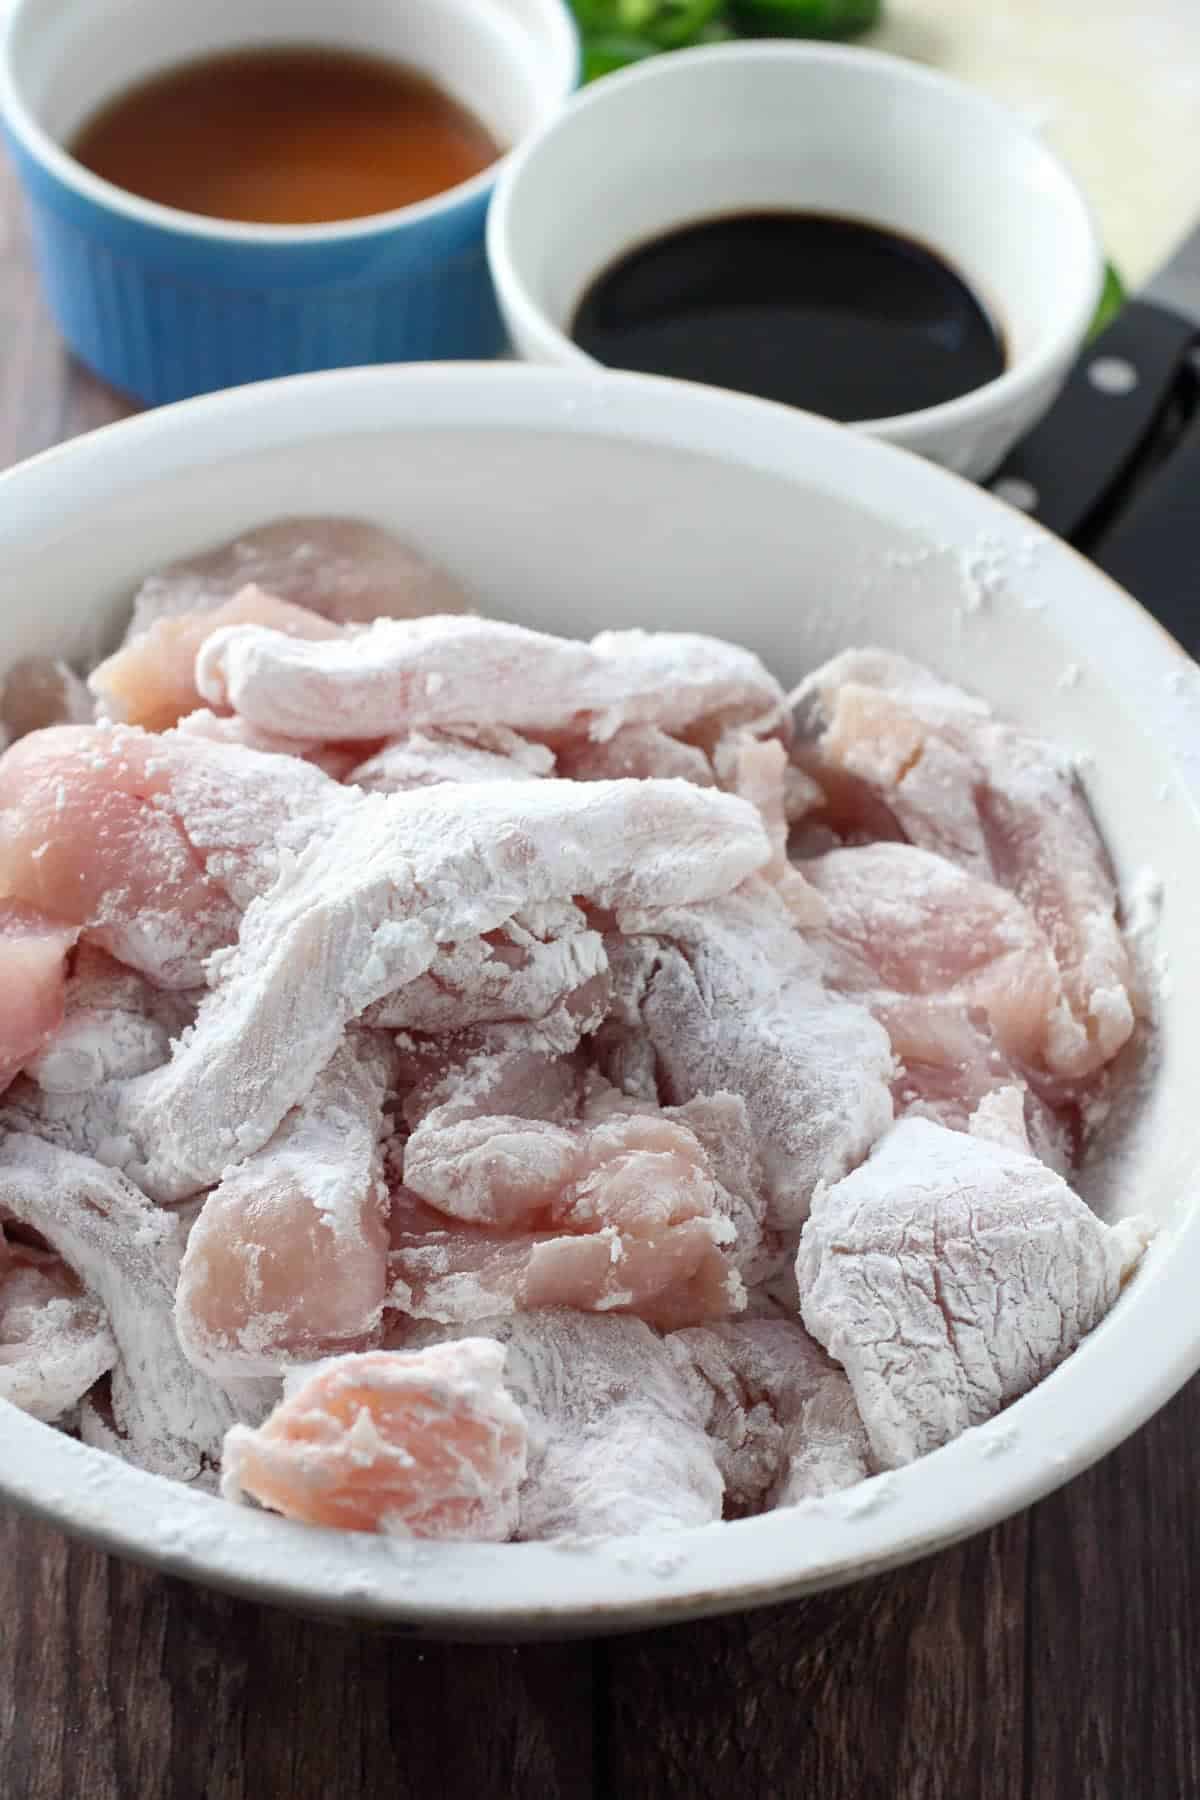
1063 472
1153 547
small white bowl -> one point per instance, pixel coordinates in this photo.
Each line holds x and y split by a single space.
810 127
571 503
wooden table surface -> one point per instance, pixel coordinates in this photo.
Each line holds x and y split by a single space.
1055 1658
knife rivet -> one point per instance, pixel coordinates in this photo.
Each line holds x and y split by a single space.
1112 375
1021 494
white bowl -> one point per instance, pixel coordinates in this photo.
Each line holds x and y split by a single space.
571 503
754 126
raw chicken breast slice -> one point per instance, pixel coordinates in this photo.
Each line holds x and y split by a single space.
948 1275
33 959
361 913
520 1145
641 1231
779 1413
720 1123
920 941
427 758
958 973
731 998
753 767
756 769
151 844
424 1443
55 1341
616 1446
334 760
397 677
505 1084
288 1259
1006 806
616 1442
126 1253
150 681
115 1024
635 753
346 570
545 966
39 691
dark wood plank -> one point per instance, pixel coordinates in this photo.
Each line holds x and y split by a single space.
909 1687
1115 1622
118 1685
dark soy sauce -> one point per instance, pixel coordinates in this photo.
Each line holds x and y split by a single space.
836 316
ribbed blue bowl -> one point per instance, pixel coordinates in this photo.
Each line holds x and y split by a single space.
165 315
165 305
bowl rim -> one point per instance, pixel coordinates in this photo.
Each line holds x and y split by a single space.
562 56
967 410
1128 1367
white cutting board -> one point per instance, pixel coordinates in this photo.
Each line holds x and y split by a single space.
1113 84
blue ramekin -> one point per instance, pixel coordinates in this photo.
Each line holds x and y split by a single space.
165 304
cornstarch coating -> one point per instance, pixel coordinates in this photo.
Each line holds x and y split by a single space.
463 1082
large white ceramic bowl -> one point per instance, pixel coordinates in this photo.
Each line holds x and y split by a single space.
570 503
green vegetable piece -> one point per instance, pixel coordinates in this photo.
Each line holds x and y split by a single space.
806 18
609 51
663 24
1112 299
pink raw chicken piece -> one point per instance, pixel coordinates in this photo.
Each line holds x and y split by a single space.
955 969
948 1276
509 1142
151 682
151 844
635 753
720 1123
756 769
346 570
491 1117
40 691
425 1444
334 760
426 759
1007 807
616 1443
639 1231
546 966
384 883
731 999
126 1253
33 953
115 1024
54 1339
780 1414
288 1259
361 914
422 674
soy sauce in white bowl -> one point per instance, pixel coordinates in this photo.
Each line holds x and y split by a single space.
831 314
